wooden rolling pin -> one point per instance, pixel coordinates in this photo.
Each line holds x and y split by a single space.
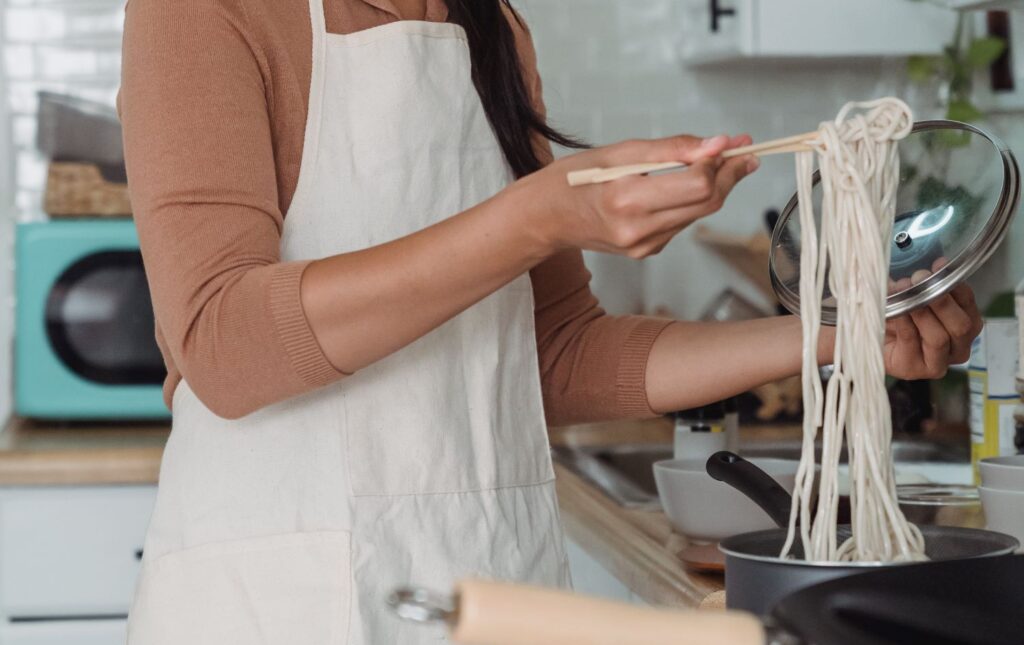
491 613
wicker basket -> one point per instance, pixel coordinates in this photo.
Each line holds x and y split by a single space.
79 190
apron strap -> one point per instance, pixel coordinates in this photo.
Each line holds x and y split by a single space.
311 139
316 14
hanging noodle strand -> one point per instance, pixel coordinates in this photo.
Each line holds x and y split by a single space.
859 163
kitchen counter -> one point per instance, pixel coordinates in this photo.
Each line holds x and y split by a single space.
639 548
34 453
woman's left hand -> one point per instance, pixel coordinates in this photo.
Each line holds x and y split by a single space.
925 342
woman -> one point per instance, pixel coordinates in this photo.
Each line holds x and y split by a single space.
367 278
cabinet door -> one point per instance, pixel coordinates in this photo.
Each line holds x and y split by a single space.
70 632
71 552
986 5
843 28
815 29
590 577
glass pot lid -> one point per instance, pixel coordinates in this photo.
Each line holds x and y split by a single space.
959 190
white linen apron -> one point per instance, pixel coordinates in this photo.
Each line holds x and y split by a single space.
292 524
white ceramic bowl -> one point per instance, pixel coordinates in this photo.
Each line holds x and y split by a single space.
1003 473
1004 511
706 509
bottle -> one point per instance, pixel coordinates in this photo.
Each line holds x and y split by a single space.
1019 298
700 432
1018 437
1018 413
731 407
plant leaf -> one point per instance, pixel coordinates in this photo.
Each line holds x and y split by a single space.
963 110
909 172
984 51
920 69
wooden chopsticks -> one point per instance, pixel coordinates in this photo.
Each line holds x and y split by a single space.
795 143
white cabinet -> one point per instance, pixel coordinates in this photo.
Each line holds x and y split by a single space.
591 578
66 632
783 29
983 4
69 557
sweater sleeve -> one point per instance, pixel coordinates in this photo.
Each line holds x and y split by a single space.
201 172
592 365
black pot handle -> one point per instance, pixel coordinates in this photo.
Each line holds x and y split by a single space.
730 468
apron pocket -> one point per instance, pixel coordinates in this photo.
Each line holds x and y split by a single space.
293 589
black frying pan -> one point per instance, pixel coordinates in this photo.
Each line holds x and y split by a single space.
757 579
961 602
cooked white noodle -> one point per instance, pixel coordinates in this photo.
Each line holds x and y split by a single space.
859 163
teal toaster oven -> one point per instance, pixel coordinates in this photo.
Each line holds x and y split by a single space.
85 346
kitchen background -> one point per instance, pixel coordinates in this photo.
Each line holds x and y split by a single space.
613 69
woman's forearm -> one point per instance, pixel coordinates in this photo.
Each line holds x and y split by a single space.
364 305
695 363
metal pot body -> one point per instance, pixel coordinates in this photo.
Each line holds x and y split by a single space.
756 578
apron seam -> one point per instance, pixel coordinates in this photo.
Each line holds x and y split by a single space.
350 618
314 114
378 38
422 28
321 533
467 491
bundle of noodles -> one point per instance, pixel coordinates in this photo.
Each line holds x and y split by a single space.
859 164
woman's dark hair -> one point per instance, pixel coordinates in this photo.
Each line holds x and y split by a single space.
499 81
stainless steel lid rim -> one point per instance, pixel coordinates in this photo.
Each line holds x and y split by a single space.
977 252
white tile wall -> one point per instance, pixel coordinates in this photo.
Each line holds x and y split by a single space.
611 71
61 45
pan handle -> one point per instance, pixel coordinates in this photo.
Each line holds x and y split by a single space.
492 613
730 468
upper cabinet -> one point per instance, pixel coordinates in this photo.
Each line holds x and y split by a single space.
984 4
724 30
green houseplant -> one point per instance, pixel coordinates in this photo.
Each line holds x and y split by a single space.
953 73
956 68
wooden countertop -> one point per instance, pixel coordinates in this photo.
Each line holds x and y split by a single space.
34 453
640 548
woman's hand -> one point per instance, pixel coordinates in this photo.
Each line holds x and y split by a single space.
925 342
695 363
632 216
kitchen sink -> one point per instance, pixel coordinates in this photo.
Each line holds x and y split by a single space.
625 472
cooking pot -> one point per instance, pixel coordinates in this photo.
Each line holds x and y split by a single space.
757 578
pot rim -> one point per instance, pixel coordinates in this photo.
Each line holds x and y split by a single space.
1011 547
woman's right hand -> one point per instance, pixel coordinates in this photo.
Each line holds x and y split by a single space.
633 216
